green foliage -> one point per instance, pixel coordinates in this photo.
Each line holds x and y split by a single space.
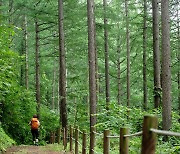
121 116
18 105
18 108
49 123
5 140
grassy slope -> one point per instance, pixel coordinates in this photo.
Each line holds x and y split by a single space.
5 140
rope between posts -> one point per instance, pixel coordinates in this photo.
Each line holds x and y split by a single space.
73 139
79 143
113 136
164 132
135 134
88 136
80 131
94 151
100 134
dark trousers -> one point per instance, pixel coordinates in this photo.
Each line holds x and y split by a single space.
35 134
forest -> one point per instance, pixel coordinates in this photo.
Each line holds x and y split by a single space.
91 64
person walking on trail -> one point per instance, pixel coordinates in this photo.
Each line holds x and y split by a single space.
34 123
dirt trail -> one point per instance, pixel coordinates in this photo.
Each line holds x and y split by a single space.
33 150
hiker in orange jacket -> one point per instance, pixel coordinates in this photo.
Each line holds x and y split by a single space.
34 123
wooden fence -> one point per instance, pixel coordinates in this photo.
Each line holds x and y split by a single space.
148 133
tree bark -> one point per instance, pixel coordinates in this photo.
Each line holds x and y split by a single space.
118 67
58 100
37 68
22 69
75 112
53 86
96 65
26 53
10 20
128 52
62 68
166 66
106 53
156 53
10 11
92 68
144 55
178 55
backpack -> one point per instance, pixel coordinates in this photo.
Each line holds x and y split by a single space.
34 123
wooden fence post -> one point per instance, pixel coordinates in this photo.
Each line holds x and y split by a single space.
76 139
106 142
64 138
92 140
149 138
70 139
124 141
59 135
84 142
54 137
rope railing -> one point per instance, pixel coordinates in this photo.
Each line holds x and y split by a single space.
94 151
88 135
79 143
80 131
164 132
75 132
100 134
149 133
135 134
113 136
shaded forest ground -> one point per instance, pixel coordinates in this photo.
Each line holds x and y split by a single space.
25 149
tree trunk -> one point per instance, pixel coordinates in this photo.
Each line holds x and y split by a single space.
118 57
96 65
178 55
128 52
92 68
58 100
166 66
75 112
53 86
10 11
144 55
106 53
97 74
156 54
37 68
22 69
10 21
26 53
62 69
118 67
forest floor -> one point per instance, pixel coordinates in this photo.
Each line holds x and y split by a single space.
30 149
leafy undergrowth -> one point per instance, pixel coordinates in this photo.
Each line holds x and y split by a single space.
5 140
117 118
